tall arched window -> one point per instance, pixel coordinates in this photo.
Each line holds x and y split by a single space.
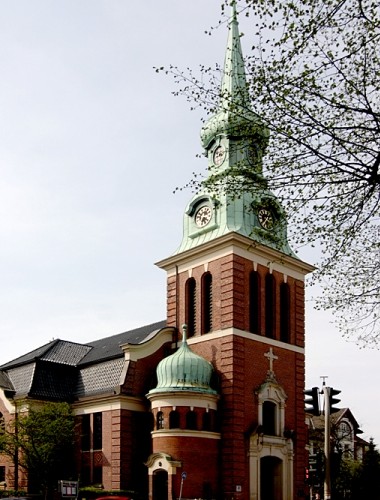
284 312
190 306
174 419
191 420
160 420
269 418
206 303
254 302
270 309
206 421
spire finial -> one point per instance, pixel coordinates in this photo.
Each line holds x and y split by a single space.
233 11
234 84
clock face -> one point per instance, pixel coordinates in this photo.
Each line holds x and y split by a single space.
265 217
219 155
203 216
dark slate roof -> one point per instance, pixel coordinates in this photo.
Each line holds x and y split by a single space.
5 382
21 377
109 347
66 353
71 353
62 370
53 381
30 356
99 378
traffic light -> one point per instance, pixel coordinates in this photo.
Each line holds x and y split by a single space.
332 400
312 402
307 475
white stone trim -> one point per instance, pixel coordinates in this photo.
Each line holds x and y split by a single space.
134 352
162 461
174 399
108 404
234 243
247 335
165 433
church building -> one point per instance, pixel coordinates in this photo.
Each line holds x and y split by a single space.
209 403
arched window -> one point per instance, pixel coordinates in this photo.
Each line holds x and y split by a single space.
269 418
206 303
270 310
344 431
190 306
254 302
160 420
206 421
174 419
191 420
284 312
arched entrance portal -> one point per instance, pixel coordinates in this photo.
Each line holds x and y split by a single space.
160 485
271 478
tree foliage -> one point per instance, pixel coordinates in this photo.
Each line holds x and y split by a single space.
43 442
313 78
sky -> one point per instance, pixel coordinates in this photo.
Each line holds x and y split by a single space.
93 144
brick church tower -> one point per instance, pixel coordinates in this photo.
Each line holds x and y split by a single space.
239 289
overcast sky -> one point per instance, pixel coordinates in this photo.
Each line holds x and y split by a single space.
92 146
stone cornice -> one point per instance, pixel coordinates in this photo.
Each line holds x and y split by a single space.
233 243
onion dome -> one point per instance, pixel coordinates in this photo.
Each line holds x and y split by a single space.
184 371
234 116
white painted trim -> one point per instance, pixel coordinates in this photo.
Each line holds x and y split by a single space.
134 352
109 404
175 399
165 433
247 335
234 243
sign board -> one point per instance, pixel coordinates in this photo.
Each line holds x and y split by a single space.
68 489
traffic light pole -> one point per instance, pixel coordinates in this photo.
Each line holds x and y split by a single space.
327 483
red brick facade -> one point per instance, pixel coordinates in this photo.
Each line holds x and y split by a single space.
239 358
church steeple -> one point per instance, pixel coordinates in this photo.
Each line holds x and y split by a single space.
234 117
235 139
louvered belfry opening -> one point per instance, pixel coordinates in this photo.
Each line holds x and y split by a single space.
206 303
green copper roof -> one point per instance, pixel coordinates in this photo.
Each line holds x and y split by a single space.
235 116
235 140
184 371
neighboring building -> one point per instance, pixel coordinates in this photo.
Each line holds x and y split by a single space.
345 435
214 409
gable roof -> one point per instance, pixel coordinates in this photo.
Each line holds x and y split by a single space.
74 354
63 370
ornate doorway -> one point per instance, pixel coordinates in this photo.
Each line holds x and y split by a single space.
271 478
160 485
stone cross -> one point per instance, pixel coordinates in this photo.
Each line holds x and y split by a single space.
271 358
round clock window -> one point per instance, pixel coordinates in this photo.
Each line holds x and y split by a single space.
219 155
203 216
265 217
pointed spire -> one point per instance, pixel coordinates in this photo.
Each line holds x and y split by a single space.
234 115
234 88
